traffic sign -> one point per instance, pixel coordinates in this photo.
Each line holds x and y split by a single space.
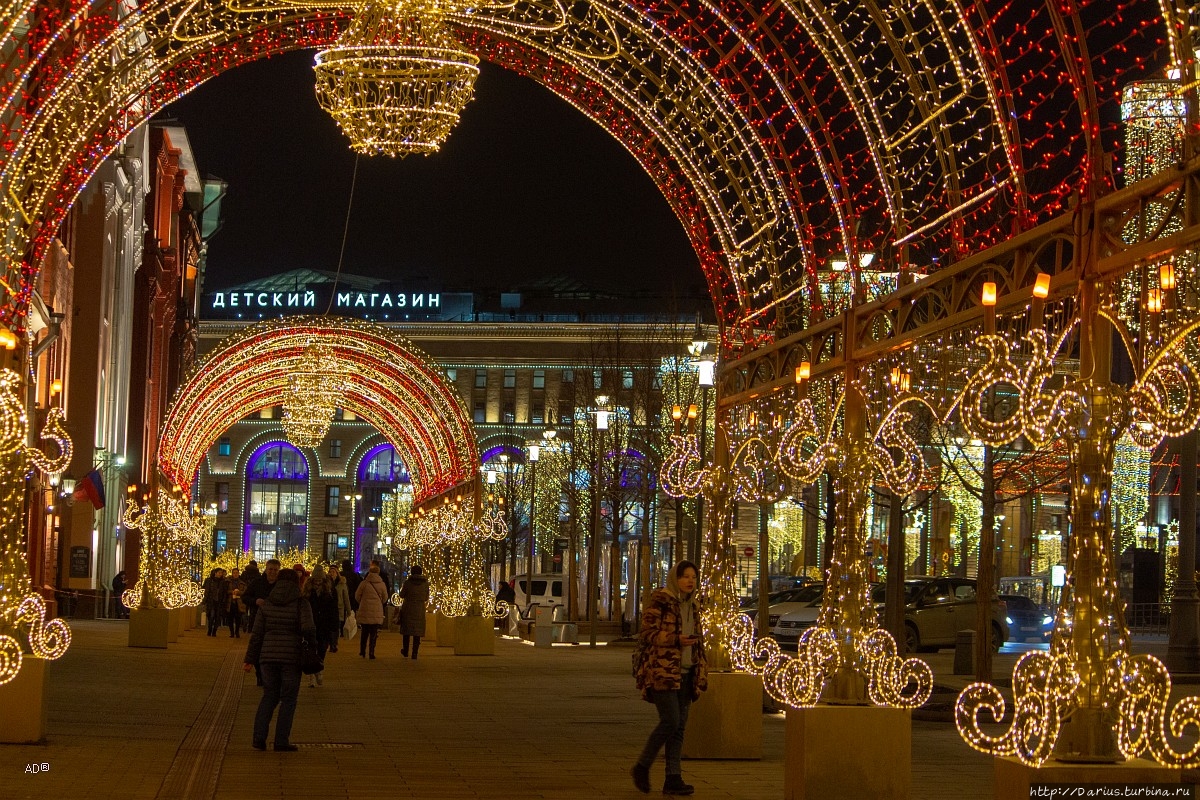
748 552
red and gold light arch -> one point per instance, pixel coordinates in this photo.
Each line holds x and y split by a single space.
384 379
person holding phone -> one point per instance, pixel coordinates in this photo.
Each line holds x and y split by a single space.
673 673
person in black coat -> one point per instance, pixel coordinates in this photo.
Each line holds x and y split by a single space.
118 587
216 599
256 594
283 619
318 590
353 579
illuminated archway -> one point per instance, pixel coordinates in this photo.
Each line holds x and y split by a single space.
387 381
786 137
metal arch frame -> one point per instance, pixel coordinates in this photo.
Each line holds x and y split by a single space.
389 382
722 132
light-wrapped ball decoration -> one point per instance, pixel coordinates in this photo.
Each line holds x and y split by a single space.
397 79
312 398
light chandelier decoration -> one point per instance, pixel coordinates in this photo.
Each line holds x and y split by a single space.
312 397
174 542
397 79
845 658
24 629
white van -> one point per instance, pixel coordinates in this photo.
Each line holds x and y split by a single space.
549 590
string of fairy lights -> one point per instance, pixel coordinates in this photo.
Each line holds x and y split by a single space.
176 540
781 137
364 368
24 629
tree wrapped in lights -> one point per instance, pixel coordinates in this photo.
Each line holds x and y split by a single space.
174 543
24 629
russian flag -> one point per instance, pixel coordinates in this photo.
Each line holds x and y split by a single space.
91 488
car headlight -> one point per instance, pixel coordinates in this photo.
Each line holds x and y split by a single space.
1008 620
1047 620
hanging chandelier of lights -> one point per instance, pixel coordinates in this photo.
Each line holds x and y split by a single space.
397 79
313 395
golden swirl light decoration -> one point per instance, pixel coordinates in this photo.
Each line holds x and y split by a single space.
1087 699
175 543
845 658
397 79
24 629
682 471
312 397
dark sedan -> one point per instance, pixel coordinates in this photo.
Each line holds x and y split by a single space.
1026 619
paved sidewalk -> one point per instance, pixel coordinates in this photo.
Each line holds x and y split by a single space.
559 724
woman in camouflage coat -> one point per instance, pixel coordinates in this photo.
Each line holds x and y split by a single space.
673 673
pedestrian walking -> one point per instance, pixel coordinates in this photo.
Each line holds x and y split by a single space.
118 588
318 590
343 599
672 673
414 594
508 594
353 579
283 620
256 595
372 603
216 599
233 614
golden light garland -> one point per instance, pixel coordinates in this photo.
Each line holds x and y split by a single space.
397 78
175 543
845 657
312 397
24 629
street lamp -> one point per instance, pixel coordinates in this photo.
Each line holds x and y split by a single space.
535 451
594 546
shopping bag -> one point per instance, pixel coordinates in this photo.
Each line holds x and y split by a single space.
350 629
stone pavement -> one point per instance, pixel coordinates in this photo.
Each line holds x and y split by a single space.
560 724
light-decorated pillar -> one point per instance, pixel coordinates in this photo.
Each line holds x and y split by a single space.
719 564
847 608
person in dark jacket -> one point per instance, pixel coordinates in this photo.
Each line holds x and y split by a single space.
256 594
237 606
283 619
673 674
508 594
414 594
118 587
353 579
216 599
318 590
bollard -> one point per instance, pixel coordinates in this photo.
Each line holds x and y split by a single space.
964 653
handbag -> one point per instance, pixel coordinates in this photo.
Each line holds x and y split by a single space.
350 629
310 660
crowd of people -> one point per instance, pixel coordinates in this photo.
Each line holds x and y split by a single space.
289 610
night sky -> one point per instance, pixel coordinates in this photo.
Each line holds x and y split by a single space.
525 186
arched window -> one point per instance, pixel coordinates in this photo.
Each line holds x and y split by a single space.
276 501
380 473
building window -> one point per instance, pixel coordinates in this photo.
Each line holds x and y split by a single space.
509 415
627 379
452 375
510 378
223 446
222 498
276 512
335 448
480 412
220 541
339 413
539 379
568 376
539 414
481 379
597 379
657 385
333 495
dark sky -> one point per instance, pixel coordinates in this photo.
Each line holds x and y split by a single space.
525 186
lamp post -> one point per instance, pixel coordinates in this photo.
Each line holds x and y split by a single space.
594 546
706 368
535 451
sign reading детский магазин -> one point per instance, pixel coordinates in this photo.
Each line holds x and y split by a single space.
378 303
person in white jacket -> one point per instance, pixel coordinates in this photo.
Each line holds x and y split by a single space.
372 603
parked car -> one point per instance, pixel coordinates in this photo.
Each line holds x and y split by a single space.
1026 619
548 591
936 609
790 625
749 604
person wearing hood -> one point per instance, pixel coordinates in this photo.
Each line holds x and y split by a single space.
415 594
283 620
372 601
673 673
216 599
